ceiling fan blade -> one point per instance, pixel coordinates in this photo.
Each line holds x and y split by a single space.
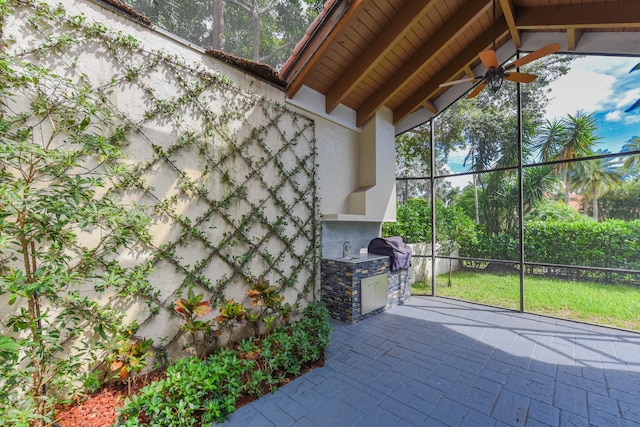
489 59
455 82
477 90
536 54
520 77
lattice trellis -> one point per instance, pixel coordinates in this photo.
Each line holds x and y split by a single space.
227 174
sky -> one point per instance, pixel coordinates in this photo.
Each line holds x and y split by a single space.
601 85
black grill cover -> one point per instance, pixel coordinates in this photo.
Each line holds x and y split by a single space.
394 247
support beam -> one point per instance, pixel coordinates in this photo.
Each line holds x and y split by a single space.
592 15
468 71
430 106
507 10
439 42
325 35
385 41
462 59
573 38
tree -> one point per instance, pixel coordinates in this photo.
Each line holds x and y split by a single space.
569 138
61 222
413 159
259 30
555 210
622 202
632 163
537 183
597 176
192 20
487 128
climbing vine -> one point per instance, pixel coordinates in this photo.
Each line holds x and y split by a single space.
169 176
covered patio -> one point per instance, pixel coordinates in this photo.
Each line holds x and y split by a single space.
442 362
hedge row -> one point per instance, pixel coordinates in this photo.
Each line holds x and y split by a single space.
613 243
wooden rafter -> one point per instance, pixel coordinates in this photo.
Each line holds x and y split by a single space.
430 106
377 50
624 14
468 71
440 41
366 54
309 57
507 10
573 38
462 59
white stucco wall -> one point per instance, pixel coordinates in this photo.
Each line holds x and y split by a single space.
421 267
338 165
354 168
167 70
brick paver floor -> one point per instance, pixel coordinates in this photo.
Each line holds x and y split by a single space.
440 362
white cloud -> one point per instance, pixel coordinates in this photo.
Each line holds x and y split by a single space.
613 116
627 99
595 83
578 90
460 181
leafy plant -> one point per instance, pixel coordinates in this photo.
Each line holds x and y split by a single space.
270 302
231 313
286 310
196 392
290 347
9 349
130 358
190 309
63 221
264 295
54 156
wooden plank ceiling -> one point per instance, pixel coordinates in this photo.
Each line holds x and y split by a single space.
366 54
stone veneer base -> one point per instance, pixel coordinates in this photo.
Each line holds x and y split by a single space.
341 282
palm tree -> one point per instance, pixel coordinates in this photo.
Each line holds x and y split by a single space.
567 139
597 177
632 163
537 182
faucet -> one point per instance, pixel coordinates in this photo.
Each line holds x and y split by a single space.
346 246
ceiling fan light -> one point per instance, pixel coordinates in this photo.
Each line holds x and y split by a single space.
494 81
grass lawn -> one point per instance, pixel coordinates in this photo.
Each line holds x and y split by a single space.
604 304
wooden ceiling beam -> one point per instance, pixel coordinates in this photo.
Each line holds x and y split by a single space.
310 55
509 16
430 106
573 38
361 67
468 71
432 47
592 15
453 68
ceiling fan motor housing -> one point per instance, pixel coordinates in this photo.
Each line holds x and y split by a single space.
494 78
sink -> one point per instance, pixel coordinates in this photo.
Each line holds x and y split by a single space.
349 258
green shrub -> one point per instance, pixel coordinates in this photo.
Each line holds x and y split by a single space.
413 224
208 389
555 210
612 243
502 246
192 387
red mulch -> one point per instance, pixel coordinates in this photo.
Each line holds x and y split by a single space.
99 409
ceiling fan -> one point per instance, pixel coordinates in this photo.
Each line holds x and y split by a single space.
496 74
